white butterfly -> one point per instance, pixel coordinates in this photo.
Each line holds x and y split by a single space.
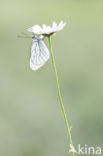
39 53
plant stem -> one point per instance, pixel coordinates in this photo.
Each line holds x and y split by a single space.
59 94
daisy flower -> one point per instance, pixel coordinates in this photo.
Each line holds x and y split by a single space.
47 30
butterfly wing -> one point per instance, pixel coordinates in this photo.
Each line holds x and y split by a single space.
39 54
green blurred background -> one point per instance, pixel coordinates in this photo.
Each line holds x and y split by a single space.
31 123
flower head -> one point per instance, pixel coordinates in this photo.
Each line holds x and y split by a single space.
47 30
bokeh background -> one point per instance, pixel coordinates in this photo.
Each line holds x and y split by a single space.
31 123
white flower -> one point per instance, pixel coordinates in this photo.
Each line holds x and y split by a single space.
47 30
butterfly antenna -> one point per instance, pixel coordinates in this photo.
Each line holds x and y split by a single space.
21 36
24 35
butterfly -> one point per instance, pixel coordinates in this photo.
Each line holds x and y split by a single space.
39 53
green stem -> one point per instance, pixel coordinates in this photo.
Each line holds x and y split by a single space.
59 94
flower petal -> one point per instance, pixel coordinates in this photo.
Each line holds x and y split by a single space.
61 26
37 29
48 30
44 27
54 26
